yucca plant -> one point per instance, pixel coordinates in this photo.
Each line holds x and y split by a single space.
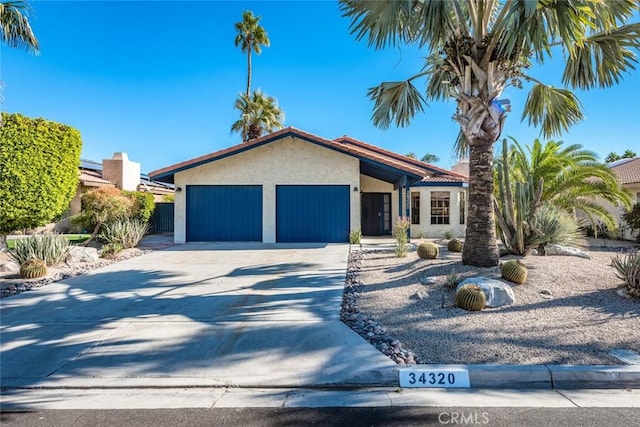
127 232
52 248
628 269
551 225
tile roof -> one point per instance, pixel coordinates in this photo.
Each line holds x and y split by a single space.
345 144
628 171
93 178
429 171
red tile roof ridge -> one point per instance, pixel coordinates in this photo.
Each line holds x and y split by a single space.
400 156
274 135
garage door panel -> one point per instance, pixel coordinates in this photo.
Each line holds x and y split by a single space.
224 213
312 213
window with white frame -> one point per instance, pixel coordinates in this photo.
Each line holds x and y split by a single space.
440 204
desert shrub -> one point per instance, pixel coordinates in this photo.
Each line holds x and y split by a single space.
104 205
111 250
452 280
51 248
400 232
627 268
355 236
142 206
447 234
632 218
127 232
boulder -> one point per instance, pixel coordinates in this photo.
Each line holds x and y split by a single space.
552 249
496 291
420 295
9 267
82 254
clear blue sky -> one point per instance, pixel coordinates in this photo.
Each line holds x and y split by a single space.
159 79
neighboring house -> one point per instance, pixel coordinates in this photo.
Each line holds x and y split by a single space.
628 172
117 172
292 186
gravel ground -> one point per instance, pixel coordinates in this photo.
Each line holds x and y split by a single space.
12 284
584 317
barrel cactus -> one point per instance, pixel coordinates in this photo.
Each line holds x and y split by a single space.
470 297
428 250
454 245
514 271
33 268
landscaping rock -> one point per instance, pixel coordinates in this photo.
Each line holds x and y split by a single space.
565 250
420 295
428 280
81 254
498 293
9 267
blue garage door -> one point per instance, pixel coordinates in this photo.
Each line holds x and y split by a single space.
312 213
224 213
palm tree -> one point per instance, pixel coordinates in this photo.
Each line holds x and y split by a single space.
629 154
16 29
251 37
258 114
611 157
477 48
572 178
430 158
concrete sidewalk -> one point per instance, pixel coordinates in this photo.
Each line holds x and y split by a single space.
250 315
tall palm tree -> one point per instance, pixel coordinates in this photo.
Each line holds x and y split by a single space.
477 48
251 37
629 154
15 26
259 114
572 178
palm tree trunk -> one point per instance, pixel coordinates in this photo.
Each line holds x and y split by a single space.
248 73
480 246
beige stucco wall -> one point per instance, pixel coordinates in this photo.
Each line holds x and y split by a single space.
286 161
617 211
425 228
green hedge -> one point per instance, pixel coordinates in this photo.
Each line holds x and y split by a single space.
39 162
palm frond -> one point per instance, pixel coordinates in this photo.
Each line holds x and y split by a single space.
395 101
15 28
602 58
555 109
381 23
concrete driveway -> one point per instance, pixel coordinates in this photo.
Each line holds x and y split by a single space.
192 315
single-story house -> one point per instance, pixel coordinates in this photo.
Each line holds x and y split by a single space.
292 186
118 172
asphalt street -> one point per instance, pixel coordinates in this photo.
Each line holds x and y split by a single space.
404 416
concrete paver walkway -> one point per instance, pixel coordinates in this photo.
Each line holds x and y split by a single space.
193 315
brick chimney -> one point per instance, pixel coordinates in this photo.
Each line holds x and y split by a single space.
122 171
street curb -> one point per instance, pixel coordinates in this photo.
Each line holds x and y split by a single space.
480 376
547 376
